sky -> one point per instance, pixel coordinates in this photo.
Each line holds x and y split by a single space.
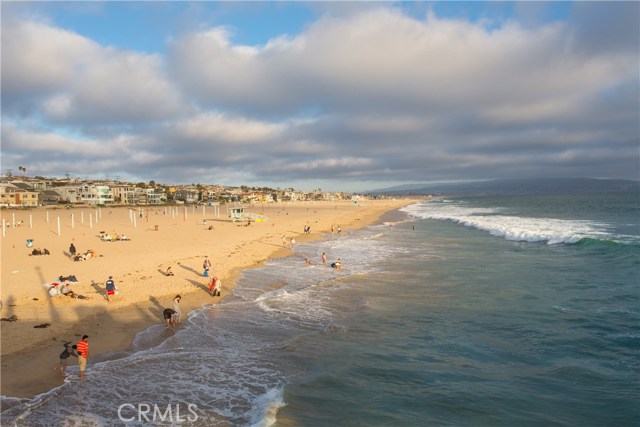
342 96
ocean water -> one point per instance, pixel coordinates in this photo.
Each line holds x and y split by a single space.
475 311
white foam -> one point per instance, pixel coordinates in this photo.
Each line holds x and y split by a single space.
511 227
266 407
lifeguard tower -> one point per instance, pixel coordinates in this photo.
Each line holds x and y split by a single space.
236 212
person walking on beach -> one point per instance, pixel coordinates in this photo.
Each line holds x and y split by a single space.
72 250
83 355
111 288
206 265
68 351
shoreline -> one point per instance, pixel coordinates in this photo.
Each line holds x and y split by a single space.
27 369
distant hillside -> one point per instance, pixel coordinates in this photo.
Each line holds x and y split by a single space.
517 187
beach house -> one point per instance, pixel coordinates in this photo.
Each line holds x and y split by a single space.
14 195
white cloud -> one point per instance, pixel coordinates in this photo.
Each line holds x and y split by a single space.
384 60
227 130
80 82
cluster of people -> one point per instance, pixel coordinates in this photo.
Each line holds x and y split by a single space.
62 287
113 237
337 264
89 254
38 251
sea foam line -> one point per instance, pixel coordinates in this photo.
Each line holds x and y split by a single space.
549 230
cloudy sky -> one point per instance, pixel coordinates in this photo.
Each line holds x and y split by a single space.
336 95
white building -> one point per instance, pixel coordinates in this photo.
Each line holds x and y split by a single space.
92 194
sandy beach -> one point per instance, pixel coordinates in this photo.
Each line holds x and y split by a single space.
173 236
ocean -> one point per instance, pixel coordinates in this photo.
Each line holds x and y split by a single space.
465 311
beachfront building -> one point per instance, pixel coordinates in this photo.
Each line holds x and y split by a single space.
69 193
39 184
95 194
124 194
154 196
293 196
187 195
50 197
14 196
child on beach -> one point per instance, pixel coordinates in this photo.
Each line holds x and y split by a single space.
206 265
169 316
69 350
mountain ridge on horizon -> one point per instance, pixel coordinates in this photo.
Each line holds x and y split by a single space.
515 186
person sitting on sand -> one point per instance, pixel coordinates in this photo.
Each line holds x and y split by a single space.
53 289
73 295
65 289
